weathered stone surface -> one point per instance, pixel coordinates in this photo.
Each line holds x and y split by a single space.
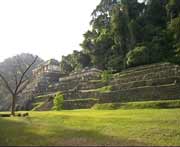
80 104
150 82
163 92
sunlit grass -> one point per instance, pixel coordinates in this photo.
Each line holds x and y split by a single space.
93 127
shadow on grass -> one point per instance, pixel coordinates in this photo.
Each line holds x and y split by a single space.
93 137
22 134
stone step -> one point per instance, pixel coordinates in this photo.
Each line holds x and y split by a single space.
78 95
75 94
79 103
91 85
141 69
145 68
76 86
124 86
149 75
163 92
152 82
43 97
146 93
80 78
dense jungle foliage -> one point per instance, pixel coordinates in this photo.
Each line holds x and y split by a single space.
126 33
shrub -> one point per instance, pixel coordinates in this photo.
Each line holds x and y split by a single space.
38 105
137 56
106 76
58 101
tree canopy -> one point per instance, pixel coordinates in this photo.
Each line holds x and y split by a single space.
127 33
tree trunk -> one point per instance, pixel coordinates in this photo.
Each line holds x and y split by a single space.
13 105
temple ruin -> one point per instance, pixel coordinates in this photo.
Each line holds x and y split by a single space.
85 88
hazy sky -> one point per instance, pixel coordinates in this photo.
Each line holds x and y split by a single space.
48 28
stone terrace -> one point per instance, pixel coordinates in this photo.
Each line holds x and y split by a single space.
151 82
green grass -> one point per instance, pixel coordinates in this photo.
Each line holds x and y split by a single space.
101 90
104 89
95 81
139 105
93 127
36 106
82 99
44 96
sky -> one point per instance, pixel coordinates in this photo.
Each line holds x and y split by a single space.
47 28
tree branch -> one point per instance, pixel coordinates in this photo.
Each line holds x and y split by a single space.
23 87
15 78
23 74
6 83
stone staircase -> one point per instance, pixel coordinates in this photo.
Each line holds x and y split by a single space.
150 82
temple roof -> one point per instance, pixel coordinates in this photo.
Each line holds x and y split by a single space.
48 62
51 62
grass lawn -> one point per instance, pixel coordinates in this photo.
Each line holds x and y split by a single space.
93 127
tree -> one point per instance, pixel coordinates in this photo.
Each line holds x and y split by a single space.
17 80
122 26
174 28
75 61
173 9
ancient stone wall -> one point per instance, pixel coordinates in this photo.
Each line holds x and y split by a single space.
151 82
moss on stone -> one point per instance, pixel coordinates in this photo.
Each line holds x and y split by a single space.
101 90
163 104
82 99
37 105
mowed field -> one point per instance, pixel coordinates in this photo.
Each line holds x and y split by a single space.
93 127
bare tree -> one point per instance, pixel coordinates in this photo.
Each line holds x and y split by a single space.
19 81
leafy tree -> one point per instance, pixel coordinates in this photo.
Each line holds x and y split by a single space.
65 65
173 9
174 28
74 62
125 28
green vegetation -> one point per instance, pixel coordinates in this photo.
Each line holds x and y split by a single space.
138 56
101 90
128 33
82 99
95 81
106 106
106 76
58 101
104 89
43 96
37 105
139 105
92 127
